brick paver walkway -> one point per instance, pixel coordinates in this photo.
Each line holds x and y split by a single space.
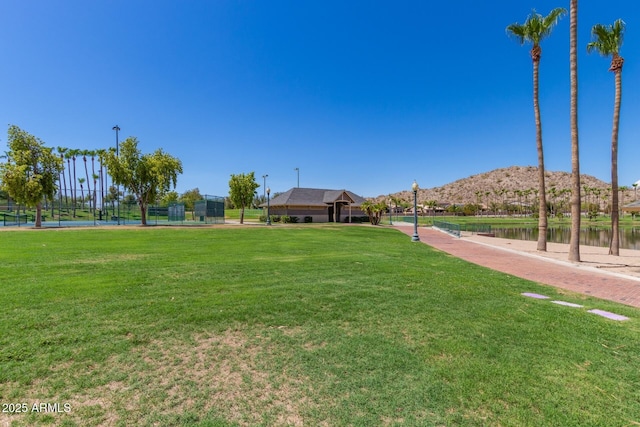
561 275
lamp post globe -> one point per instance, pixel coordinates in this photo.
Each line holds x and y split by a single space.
415 237
268 213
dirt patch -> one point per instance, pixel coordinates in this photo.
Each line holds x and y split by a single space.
225 375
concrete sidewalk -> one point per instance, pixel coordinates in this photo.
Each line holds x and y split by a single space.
573 277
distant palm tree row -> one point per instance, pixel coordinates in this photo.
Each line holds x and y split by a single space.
98 194
503 201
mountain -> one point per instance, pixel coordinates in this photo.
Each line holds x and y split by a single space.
474 189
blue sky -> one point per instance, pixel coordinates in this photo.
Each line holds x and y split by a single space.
363 95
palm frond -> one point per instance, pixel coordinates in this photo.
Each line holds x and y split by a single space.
607 39
536 27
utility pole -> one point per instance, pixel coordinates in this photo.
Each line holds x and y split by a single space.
117 129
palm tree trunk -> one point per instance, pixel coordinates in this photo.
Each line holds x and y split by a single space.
95 179
70 183
614 248
574 241
542 206
74 195
86 173
64 179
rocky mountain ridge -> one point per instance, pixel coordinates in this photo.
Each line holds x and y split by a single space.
502 184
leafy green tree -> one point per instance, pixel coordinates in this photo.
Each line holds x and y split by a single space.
470 209
113 196
189 198
534 30
146 176
607 40
31 170
242 190
169 197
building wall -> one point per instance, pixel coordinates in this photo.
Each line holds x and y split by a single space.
318 213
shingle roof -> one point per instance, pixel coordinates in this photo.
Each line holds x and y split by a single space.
314 197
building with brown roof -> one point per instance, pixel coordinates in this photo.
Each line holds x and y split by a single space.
317 205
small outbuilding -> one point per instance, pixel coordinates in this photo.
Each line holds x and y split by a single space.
317 205
632 207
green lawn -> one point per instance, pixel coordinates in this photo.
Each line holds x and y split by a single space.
290 325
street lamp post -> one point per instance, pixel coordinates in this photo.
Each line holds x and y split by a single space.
415 237
298 173
117 129
268 207
264 184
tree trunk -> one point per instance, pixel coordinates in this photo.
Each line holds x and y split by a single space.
86 173
614 247
74 195
242 215
542 205
70 183
38 215
574 242
64 180
143 213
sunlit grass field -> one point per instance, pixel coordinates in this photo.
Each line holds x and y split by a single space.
332 325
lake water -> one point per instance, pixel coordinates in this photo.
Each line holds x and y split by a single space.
592 236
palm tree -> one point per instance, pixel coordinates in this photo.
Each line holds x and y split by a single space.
61 151
73 153
81 182
552 204
374 210
95 190
533 31
623 190
101 153
607 40
574 240
84 154
95 177
67 155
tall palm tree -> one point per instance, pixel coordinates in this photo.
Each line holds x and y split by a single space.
61 151
95 189
101 153
534 30
93 153
574 240
67 155
81 182
607 40
86 153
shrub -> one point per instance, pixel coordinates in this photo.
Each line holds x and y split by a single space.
308 219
